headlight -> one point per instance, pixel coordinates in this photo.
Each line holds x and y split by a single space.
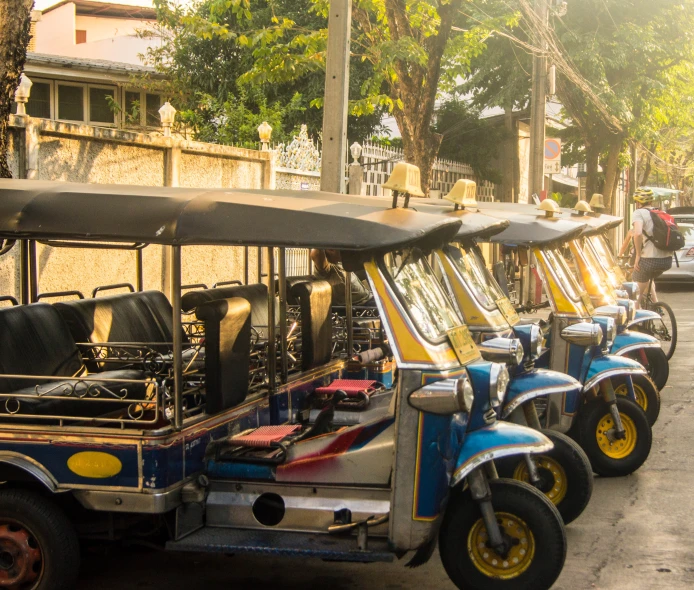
611 330
632 289
444 397
535 341
616 312
502 350
498 384
583 333
631 311
621 294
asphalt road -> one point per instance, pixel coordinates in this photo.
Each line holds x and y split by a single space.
637 532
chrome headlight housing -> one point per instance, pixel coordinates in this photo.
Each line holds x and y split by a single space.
583 333
616 312
632 289
535 341
498 384
502 350
444 397
611 330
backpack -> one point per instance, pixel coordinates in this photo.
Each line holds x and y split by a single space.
666 236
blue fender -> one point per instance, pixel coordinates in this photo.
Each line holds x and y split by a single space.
535 383
629 341
643 315
497 440
603 367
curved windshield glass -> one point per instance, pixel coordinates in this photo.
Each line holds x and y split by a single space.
564 276
429 307
475 273
603 250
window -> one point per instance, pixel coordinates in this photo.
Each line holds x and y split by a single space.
39 104
99 105
80 36
71 102
153 102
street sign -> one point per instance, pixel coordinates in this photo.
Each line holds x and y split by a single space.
552 155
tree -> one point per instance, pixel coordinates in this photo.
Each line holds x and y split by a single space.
15 16
203 54
414 50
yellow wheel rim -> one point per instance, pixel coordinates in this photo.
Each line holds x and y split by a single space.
639 393
489 562
616 448
559 483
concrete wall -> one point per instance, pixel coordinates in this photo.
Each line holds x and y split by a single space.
49 150
297 180
55 30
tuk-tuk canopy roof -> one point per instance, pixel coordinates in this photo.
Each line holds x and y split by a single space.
595 223
532 230
186 216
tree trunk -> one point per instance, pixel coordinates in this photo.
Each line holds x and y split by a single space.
592 157
15 16
612 173
508 155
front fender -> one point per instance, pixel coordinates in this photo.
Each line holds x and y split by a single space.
603 367
535 383
629 341
497 440
643 315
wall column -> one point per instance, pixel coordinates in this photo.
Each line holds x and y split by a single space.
172 177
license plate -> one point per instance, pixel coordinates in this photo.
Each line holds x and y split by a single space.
507 310
463 344
585 298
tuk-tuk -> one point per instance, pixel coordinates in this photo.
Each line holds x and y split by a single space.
593 278
120 418
613 430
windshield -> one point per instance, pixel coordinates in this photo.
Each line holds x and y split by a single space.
475 273
604 251
426 302
563 275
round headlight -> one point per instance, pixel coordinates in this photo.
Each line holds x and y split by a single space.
465 394
611 331
631 310
621 318
535 341
498 384
517 353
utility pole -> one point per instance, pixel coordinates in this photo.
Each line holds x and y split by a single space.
332 175
536 172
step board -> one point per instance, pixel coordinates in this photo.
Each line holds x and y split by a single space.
279 543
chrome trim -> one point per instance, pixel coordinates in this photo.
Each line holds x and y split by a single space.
498 453
583 334
616 312
135 502
532 394
30 466
611 373
631 347
498 384
444 397
502 350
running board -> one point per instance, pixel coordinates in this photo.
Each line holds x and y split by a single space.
277 543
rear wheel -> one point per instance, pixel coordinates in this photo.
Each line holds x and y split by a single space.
566 477
38 545
646 393
664 329
528 521
611 456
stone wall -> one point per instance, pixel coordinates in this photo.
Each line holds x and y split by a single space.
48 150
297 180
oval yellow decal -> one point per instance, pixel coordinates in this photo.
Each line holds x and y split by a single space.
94 464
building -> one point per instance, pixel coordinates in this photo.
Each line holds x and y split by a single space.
94 30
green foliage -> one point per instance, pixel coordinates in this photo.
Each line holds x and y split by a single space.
469 138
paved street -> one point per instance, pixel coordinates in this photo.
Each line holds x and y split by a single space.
637 533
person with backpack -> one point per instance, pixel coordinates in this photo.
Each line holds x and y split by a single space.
656 237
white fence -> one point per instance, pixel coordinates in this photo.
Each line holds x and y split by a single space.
378 162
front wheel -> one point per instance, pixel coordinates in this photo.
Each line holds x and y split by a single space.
611 456
527 519
645 392
566 477
39 549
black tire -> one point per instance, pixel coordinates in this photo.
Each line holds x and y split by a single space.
569 491
667 329
519 500
647 394
596 412
655 362
37 541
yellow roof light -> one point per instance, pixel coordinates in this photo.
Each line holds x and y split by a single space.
463 193
582 207
550 208
597 201
405 179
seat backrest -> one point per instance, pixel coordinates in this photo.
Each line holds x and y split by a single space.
145 316
256 295
227 351
315 297
35 341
